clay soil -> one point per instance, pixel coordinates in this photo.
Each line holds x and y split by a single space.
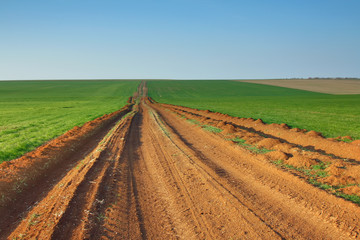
149 172
332 86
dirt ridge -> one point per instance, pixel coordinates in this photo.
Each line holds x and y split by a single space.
311 140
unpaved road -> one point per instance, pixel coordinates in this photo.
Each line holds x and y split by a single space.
157 176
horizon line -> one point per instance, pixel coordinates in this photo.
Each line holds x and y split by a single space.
174 79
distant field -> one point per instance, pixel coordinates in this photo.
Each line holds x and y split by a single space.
32 112
333 115
332 86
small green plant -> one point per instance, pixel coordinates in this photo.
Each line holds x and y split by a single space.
252 148
318 170
80 164
32 220
259 150
321 166
278 162
237 140
319 184
321 174
292 167
352 198
211 128
318 167
193 121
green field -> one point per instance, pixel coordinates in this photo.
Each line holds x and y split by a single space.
332 115
32 112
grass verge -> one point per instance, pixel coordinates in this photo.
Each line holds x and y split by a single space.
33 112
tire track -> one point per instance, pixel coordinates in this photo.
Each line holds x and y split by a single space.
120 201
48 166
86 205
66 206
256 181
194 184
187 149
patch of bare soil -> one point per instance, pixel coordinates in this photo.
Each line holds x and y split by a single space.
332 86
155 175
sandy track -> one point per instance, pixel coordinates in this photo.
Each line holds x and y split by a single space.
156 176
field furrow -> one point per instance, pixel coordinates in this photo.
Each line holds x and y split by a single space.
311 141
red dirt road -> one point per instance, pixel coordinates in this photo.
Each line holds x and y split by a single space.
155 175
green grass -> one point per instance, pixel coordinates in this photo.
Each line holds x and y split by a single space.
193 121
204 126
211 129
252 148
352 198
238 140
332 115
32 112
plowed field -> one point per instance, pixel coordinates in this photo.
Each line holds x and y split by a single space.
332 86
158 171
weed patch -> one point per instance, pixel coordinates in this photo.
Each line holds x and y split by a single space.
33 219
193 121
205 127
315 173
249 147
211 128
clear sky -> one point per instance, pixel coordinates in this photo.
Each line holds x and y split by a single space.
179 39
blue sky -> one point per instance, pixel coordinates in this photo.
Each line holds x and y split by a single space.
179 39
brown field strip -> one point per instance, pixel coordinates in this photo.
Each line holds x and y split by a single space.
158 174
332 86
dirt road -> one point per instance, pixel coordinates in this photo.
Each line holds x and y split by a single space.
155 175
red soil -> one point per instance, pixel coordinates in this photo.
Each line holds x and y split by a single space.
296 147
22 179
